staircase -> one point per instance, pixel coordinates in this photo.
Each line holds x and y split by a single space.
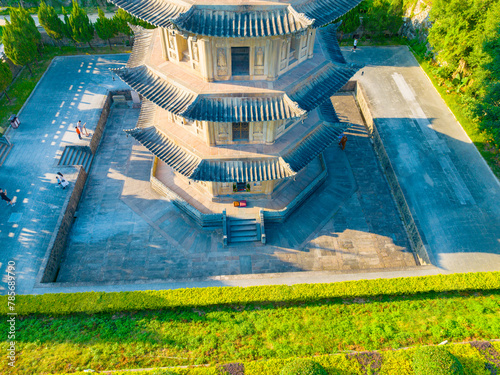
76 155
5 147
243 230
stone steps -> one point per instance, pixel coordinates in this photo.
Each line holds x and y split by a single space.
243 230
4 151
76 155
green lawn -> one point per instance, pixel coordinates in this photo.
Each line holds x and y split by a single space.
222 334
25 83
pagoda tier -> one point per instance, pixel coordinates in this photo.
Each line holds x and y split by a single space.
185 94
193 162
250 18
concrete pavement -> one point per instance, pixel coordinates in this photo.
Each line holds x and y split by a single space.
452 193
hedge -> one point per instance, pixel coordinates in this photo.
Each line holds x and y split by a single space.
102 302
397 362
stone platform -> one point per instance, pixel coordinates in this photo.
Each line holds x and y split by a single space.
126 232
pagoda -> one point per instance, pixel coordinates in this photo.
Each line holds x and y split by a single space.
236 93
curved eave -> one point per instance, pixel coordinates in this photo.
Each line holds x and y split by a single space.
325 11
322 85
142 42
328 37
156 12
242 109
314 144
249 22
156 89
162 147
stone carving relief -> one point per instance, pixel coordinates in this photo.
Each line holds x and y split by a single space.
259 57
221 62
194 48
171 41
223 130
284 50
259 61
258 127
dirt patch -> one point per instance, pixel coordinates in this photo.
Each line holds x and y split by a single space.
490 354
370 362
233 369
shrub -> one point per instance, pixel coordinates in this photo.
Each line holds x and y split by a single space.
303 367
436 360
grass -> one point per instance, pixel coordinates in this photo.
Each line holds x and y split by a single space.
219 334
25 83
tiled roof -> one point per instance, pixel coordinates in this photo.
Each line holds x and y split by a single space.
156 89
314 144
176 157
142 42
327 112
325 11
156 12
242 109
238 20
328 34
244 21
321 85
264 169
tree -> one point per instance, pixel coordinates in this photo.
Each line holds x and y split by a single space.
5 78
51 22
67 27
105 27
121 19
21 38
82 30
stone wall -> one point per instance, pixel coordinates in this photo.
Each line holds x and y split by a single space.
412 230
55 250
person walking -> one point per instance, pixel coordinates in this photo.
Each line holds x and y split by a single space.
355 44
78 131
83 128
343 141
61 180
3 195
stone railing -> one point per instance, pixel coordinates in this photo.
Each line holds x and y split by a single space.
262 227
224 227
417 244
204 220
280 216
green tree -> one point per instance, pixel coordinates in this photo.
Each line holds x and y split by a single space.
51 22
5 78
21 38
104 27
82 30
67 27
121 19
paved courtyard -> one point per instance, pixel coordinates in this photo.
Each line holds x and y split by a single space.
127 232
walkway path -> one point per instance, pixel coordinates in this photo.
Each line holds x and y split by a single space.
73 88
450 189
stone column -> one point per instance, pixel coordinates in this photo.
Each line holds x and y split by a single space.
209 128
206 60
310 40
